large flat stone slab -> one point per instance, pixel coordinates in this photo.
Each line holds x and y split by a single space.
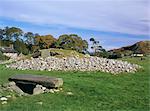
46 81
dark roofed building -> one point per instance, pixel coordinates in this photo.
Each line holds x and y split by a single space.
8 50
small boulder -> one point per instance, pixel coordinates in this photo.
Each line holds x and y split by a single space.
69 93
12 83
8 96
44 88
4 102
56 90
40 103
17 90
3 99
38 90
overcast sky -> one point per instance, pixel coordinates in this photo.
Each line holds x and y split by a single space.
114 23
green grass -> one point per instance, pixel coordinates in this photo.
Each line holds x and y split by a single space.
93 91
62 52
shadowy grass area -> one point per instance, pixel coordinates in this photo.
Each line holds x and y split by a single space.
92 91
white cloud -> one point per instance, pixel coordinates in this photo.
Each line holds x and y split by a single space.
124 16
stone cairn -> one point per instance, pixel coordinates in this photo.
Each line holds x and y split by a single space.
76 64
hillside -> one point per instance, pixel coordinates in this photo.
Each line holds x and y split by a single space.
60 53
139 47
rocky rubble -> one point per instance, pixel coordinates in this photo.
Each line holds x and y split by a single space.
39 89
14 91
76 64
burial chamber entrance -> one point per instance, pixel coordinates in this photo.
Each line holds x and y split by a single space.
26 88
28 82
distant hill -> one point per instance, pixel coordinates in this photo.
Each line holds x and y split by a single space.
139 47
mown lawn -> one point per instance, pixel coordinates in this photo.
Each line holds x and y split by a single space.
93 91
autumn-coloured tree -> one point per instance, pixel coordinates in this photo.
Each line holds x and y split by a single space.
45 41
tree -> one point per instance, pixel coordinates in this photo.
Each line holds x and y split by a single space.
12 33
29 36
45 42
1 34
30 40
98 49
114 55
92 39
21 47
85 46
96 46
72 41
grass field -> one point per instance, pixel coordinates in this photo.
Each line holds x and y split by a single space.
92 91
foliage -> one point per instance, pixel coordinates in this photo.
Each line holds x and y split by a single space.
1 34
72 41
92 39
98 49
61 53
31 42
114 56
35 48
5 43
12 33
29 36
22 47
103 54
45 42
3 57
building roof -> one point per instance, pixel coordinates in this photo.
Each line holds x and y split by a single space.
7 50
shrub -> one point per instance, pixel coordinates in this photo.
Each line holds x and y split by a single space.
21 47
102 54
114 56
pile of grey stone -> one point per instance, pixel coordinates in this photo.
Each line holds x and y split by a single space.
76 64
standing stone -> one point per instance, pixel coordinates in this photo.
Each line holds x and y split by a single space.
12 83
17 90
